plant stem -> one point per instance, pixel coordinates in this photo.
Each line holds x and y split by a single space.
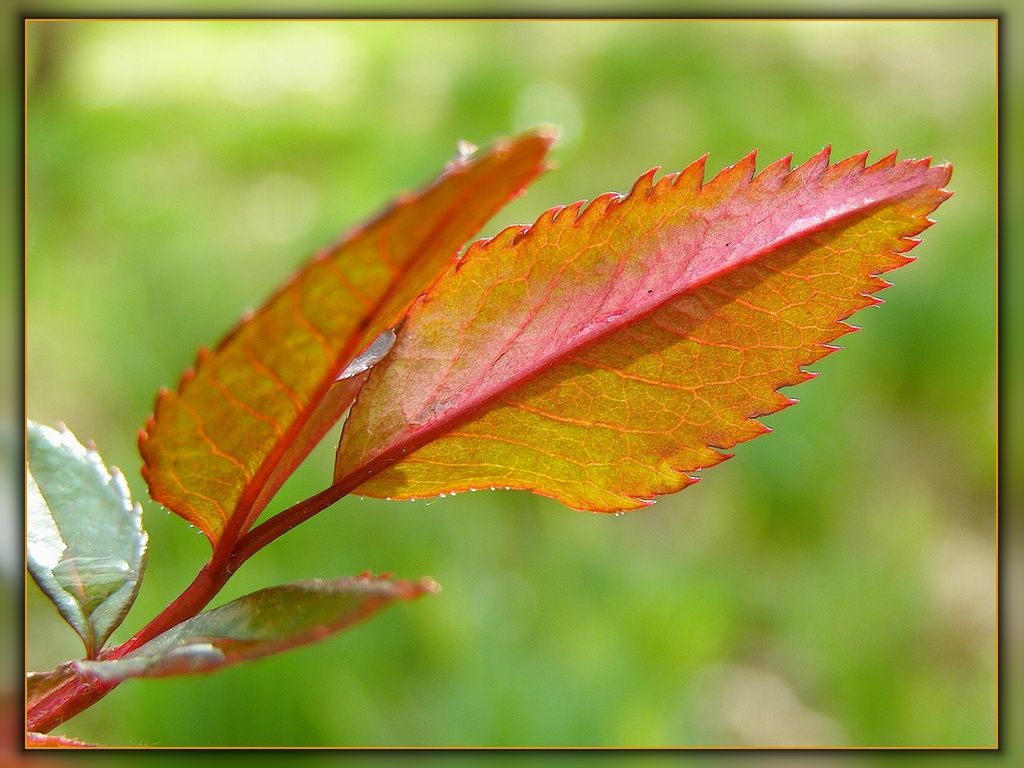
257 538
284 521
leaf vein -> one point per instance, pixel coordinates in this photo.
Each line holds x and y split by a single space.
205 437
271 374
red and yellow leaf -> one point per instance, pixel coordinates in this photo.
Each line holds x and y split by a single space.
602 354
218 448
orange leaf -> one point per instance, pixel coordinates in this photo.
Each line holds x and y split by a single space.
602 354
216 450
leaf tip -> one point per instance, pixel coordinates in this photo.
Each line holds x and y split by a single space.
644 185
599 205
691 178
886 162
818 162
776 172
747 165
404 590
426 586
549 132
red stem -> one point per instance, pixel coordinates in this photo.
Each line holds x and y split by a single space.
284 521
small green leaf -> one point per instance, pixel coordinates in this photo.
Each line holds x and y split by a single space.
86 545
262 623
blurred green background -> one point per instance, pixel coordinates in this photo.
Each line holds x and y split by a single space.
833 584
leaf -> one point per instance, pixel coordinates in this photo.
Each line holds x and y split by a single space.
86 545
262 623
247 415
52 741
602 354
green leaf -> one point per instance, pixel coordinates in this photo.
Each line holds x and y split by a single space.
265 622
86 545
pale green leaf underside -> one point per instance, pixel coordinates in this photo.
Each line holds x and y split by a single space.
86 544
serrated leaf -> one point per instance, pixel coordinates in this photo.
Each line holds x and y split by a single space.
604 353
262 623
219 447
86 544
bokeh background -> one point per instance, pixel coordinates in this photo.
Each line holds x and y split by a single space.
833 584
